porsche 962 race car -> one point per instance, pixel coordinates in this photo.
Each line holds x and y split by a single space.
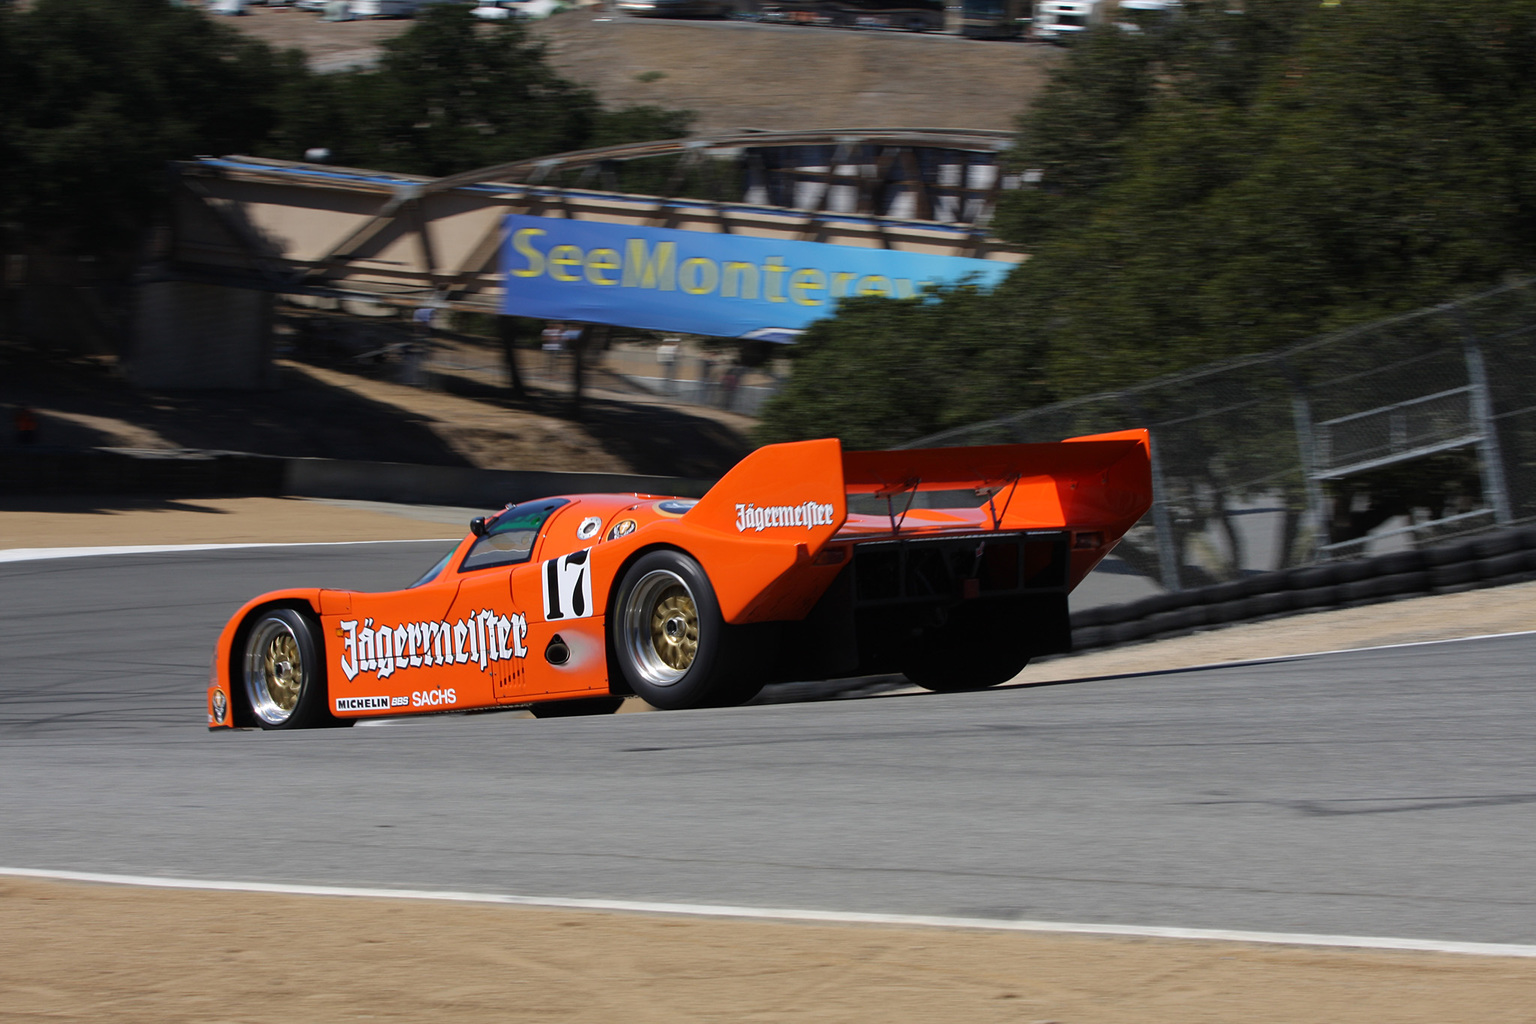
951 565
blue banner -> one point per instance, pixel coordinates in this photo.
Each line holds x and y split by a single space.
697 283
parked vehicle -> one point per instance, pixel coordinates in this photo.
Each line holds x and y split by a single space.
523 10
677 8
994 19
908 15
1060 20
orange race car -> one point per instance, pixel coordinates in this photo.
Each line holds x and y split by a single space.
951 565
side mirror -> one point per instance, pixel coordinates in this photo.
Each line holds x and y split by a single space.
477 526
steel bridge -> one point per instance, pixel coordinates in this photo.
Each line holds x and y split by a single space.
251 225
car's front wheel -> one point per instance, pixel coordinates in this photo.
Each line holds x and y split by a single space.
670 642
283 672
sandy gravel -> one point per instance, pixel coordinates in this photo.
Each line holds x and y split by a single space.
794 78
1509 609
329 45
73 952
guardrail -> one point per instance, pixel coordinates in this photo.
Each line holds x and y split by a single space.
1490 559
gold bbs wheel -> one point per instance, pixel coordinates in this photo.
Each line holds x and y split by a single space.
669 643
661 627
280 669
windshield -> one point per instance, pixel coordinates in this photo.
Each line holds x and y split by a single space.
437 567
509 540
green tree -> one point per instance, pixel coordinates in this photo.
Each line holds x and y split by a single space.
884 371
454 94
1226 183
449 96
97 95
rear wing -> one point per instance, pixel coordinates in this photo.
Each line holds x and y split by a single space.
1101 482
781 505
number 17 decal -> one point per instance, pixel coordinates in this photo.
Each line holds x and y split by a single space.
568 587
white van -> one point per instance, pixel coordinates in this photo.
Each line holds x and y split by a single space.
1060 20
382 8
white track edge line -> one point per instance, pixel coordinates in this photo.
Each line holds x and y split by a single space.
37 554
789 915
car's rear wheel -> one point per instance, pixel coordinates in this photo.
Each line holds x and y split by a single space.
973 651
283 672
670 642
952 675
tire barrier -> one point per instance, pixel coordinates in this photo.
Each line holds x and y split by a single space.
1492 559
201 474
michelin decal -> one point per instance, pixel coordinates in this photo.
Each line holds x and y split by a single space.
361 703
482 638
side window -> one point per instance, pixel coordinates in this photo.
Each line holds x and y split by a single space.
510 539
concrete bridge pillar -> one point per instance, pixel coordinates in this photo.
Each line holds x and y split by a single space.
201 336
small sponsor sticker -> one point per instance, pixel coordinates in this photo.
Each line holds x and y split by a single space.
676 506
220 705
622 528
362 703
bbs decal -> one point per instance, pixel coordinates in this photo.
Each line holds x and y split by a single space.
568 587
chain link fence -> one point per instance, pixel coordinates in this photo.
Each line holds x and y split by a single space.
1388 436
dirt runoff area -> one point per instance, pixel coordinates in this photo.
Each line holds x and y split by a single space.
75 952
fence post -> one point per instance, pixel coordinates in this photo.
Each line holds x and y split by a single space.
1482 414
1167 550
1301 416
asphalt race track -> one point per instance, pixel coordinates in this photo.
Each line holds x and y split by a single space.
1388 793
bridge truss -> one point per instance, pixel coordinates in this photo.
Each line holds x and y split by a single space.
313 229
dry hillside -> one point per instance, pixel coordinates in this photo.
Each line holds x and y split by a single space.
737 74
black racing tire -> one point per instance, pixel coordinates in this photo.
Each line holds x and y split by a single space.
973 651
979 671
576 708
669 642
282 672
